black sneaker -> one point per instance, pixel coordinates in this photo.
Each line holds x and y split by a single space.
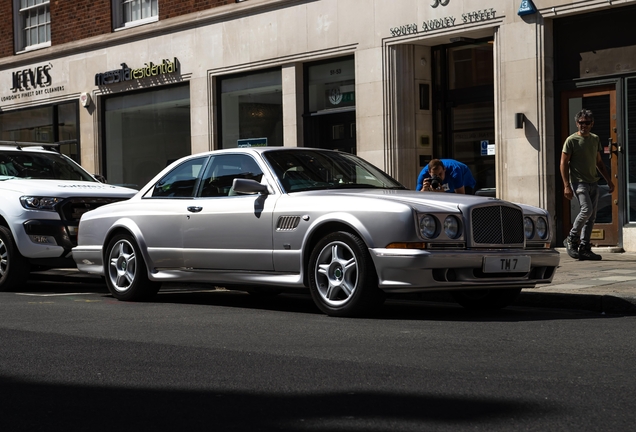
572 247
586 254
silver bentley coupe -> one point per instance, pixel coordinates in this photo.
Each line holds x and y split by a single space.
272 219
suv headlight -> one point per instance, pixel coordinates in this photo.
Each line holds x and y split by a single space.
39 203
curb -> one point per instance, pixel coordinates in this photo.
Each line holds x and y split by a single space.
590 302
600 303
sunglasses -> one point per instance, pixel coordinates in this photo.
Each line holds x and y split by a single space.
586 123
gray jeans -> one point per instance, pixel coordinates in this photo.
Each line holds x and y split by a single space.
587 196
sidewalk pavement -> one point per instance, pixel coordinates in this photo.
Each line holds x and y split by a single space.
606 286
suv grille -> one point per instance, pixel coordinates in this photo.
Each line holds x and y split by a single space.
72 209
497 225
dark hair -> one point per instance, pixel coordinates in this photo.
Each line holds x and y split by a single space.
434 163
584 113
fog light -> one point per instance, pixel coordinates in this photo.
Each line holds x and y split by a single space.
42 239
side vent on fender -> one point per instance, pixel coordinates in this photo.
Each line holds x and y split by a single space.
287 223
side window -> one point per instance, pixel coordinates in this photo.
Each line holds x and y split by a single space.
181 181
222 170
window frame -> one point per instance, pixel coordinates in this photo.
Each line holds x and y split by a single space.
119 22
19 26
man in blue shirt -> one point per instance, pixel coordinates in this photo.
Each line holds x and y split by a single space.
454 176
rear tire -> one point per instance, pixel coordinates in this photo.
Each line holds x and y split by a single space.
486 299
126 271
14 268
342 278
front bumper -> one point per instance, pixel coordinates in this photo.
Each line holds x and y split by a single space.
89 259
413 270
46 238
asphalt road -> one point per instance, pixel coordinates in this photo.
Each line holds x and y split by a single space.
74 359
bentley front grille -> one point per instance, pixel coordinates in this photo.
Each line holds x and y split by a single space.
497 225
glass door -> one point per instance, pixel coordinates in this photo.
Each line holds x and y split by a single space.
601 100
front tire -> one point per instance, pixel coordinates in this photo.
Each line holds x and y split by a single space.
14 268
342 278
126 271
486 299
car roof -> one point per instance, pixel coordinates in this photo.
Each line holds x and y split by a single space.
30 149
260 150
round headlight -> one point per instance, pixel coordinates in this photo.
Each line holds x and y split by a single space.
428 226
542 228
528 227
451 227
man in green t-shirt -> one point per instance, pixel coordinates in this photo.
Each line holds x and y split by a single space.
580 160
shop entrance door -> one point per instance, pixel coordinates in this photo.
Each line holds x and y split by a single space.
601 100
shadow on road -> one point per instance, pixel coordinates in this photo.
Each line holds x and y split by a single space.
431 307
58 407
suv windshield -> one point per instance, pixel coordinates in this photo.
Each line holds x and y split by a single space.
30 165
301 170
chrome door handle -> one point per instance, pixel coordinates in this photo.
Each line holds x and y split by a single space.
193 209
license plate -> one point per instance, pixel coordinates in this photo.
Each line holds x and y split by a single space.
507 264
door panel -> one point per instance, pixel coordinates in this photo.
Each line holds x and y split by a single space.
230 233
601 100
224 229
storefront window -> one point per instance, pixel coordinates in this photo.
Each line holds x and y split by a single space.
252 110
48 124
330 107
631 147
144 132
331 85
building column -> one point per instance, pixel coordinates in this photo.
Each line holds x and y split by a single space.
293 105
201 114
525 157
400 135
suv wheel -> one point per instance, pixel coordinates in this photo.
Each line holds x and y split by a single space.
14 268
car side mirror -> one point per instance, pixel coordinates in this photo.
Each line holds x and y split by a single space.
100 178
249 186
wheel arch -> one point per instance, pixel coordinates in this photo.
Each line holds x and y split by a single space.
127 226
322 229
3 222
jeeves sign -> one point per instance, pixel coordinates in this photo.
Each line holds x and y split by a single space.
127 74
29 79
446 22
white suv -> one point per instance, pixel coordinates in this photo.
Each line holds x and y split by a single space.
43 194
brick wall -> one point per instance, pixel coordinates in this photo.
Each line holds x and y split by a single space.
6 28
173 8
79 19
